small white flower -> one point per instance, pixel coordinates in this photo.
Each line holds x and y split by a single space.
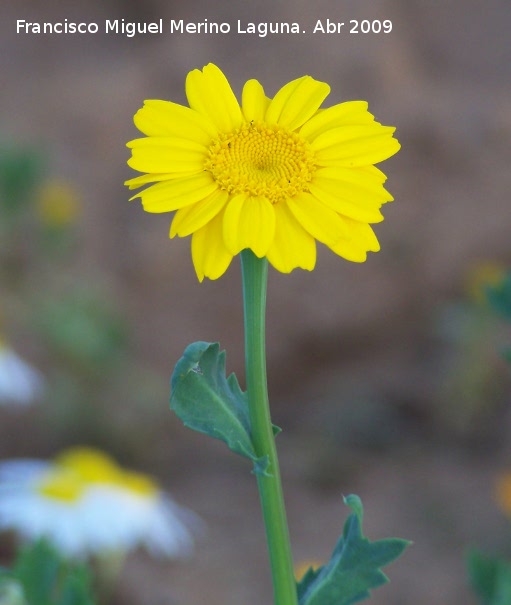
20 383
86 505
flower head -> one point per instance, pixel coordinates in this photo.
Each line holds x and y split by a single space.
272 175
20 383
85 504
482 277
58 204
503 492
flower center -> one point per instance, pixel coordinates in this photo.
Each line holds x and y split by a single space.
78 469
261 160
61 485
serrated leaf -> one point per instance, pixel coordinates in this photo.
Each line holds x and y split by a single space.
261 466
208 402
276 430
490 578
354 568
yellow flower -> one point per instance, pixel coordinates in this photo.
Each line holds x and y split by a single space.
273 175
303 567
58 204
483 276
503 492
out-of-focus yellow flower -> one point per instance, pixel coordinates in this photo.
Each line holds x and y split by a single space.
303 567
271 175
503 492
75 470
85 504
58 204
484 275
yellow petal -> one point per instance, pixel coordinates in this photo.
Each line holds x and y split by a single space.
292 246
296 102
209 93
166 154
335 201
316 218
254 102
144 179
343 114
350 192
369 178
355 145
362 185
249 222
194 217
167 119
209 255
177 193
362 240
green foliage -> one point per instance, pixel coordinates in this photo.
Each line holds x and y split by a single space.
41 577
20 170
83 329
208 402
11 592
354 568
499 297
490 578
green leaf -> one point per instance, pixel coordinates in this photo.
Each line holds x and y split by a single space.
354 568
499 297
490 578
44 578
11 592
208 402
37 569
76 587
20 170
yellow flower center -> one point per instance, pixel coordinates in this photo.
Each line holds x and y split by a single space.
80 468
261 160
59 484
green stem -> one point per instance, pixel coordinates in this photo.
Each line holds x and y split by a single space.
255 272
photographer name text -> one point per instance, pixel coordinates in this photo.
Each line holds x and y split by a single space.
179 26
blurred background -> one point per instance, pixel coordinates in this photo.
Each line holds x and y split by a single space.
386 377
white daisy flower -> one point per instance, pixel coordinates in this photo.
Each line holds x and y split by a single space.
85 504
20 383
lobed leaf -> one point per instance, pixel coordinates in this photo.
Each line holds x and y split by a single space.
208 402
354 568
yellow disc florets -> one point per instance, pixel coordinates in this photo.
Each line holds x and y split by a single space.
80 468
261 160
